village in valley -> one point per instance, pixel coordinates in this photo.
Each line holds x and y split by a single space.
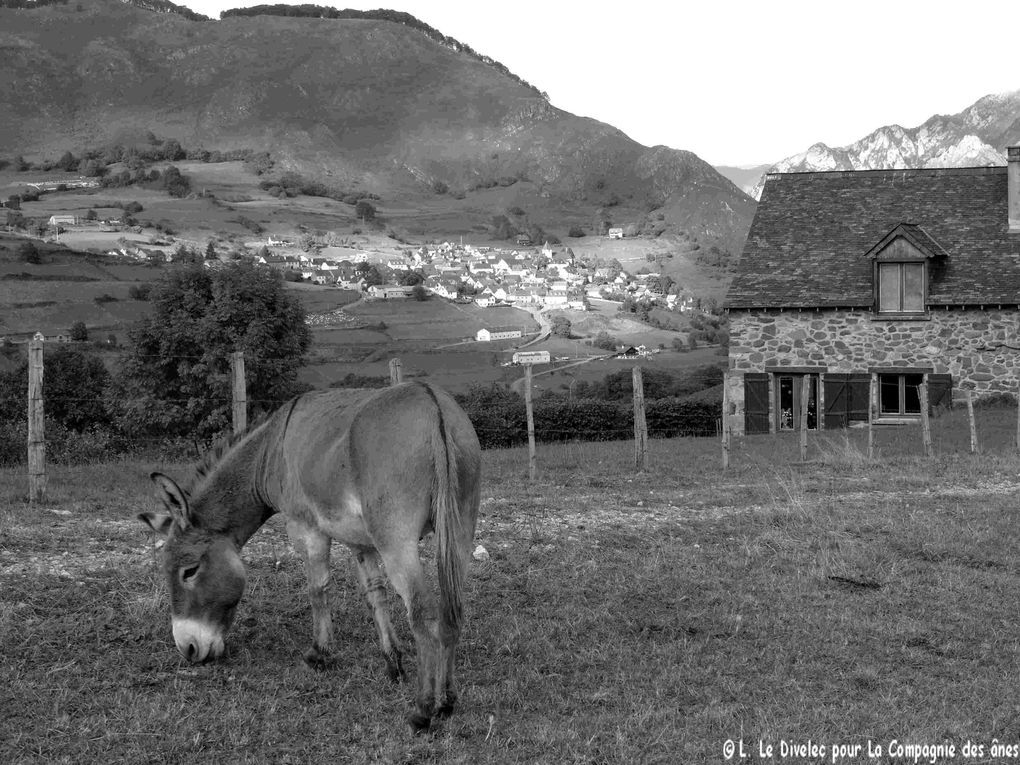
546 277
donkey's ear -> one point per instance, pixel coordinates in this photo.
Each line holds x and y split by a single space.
174 499
158 522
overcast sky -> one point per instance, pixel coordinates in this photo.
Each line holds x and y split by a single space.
737 82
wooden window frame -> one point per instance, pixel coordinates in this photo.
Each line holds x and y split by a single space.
900 314
901 413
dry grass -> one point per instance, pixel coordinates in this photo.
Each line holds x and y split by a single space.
620 618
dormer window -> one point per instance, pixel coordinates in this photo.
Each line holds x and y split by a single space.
901 272
901 287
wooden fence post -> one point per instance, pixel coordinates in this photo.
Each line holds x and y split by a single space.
36 424
805 392
973 425
925 421
725 421
396 372
531 421
640 426
240 392
871 418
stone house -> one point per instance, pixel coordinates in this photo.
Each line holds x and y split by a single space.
869 284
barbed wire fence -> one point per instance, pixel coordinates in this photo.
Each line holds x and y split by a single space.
908 426
240 405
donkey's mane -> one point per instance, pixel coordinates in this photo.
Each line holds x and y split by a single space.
212 456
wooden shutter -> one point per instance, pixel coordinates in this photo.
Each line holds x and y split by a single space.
756 403
940 392
837 400
859 398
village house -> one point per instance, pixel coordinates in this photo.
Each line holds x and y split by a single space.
353 282
389 292
870 285
488 335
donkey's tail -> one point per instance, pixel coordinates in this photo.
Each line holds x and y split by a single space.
447 521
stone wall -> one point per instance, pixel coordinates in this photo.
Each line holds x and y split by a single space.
969 344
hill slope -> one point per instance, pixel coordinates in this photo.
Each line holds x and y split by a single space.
975 137
357 102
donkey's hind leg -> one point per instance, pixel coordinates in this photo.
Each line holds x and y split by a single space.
405 572
315 547
373 587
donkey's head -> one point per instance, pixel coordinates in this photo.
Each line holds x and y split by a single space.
204 572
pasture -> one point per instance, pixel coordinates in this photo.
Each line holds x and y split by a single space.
620 617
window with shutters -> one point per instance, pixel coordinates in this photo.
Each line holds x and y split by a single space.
899 395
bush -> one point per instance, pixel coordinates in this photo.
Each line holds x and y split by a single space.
29 253
500 419
575 232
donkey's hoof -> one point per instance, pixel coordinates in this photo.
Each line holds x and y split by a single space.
420 723
318 659
395 671
445 707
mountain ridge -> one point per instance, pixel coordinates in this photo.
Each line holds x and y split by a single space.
976 136
357 102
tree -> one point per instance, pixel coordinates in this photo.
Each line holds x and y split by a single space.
175 377
67 162
575 232
365 210
418 292
79 332
91 168
605 341
76 389
210 251
29 253
139 291
561 326
411 278
172 150
176 183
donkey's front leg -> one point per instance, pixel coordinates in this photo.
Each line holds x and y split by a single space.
316 548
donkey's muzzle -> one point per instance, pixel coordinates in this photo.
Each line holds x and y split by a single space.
196 640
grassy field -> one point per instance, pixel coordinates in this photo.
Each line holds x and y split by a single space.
621 617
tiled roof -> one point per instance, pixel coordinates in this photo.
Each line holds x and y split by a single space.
812 233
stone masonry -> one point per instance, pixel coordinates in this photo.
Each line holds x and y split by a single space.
980 348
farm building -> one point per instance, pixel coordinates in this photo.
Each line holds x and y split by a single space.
616 233
487 335
63 220
875 280
389 292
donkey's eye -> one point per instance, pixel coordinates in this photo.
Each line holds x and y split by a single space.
188 573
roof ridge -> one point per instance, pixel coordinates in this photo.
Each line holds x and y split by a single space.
934 171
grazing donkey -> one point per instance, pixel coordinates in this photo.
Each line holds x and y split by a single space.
377 476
